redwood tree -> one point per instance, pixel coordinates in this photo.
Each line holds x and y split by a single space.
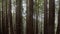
0 22
51 27
4 17
9 16
45 17
29 17
18 16
37 14
58 27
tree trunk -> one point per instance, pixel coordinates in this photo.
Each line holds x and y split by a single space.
0 22
4 17
51 27
37 14
29 17
45 17
58 27
9 16
18 16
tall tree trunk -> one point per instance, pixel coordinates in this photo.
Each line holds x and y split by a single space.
58 27
37 23
29 20
0 17
4 17
0 22
51 27
49 24
9 16
45 17
37 14
18 16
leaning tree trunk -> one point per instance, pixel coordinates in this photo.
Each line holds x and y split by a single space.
18 16
9 16
58 27
51 27
4 17
29 17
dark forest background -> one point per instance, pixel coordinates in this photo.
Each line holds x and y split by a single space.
29 16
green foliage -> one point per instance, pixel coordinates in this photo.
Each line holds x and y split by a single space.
0 0
0 4
39 6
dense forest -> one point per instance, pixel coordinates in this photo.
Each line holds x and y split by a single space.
29 16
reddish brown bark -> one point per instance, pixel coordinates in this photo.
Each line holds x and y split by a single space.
45 17
51 23
29 17
18 16
4 17
9 16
